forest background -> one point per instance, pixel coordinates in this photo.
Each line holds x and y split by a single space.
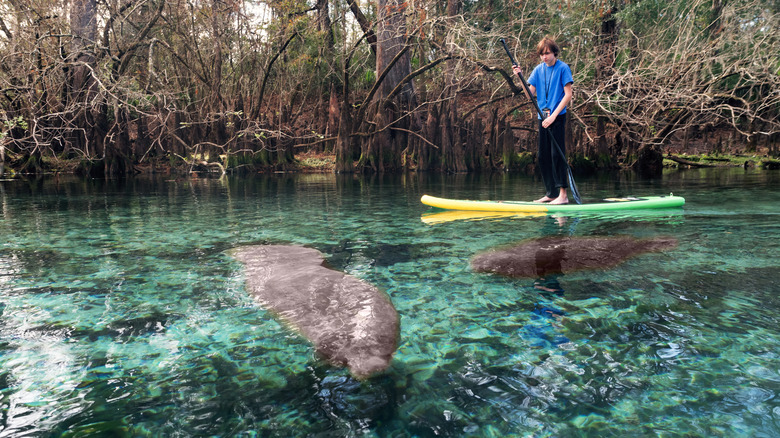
116 87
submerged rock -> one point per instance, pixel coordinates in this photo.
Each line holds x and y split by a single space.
561 254
350 322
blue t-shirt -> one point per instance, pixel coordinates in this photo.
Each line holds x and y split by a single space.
549 83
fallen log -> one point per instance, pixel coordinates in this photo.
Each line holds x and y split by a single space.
770 164
689 163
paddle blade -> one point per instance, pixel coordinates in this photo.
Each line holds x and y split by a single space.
575 194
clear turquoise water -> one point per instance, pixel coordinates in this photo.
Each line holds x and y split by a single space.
122 313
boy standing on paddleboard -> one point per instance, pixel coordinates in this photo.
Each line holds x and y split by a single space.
551 82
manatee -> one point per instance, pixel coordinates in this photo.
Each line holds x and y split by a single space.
350 322
562 254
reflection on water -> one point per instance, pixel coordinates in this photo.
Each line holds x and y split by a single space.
439 216
122 312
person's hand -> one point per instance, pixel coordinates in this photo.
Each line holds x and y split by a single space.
546 123
517 69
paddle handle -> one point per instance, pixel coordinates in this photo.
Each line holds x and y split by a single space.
512 58
526 88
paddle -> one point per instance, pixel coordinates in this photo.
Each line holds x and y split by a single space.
574 192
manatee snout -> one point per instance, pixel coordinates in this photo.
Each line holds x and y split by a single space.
364 367
367 354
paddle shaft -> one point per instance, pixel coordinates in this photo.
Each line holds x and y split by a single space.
527 90
525 85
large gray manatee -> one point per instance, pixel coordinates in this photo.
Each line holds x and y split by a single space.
350 322
563 254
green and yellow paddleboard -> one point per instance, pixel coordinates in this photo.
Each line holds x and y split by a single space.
609 204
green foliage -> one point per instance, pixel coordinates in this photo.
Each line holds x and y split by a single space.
368 78
11 124
242 159
524 159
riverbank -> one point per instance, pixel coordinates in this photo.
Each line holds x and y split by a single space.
323 162
709 160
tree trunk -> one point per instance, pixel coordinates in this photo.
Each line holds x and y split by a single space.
324 24
714 28
83 24
426 159
453 155
116 161
216 70
344 143
344 161
382 151
216 104
365 25
649 161
605 67
81 83
334 113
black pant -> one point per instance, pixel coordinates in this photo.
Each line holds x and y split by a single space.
552 162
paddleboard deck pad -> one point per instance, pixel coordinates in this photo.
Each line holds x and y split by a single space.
608 204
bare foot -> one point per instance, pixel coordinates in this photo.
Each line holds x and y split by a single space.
560 200
544 199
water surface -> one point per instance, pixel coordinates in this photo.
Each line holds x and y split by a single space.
122 313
